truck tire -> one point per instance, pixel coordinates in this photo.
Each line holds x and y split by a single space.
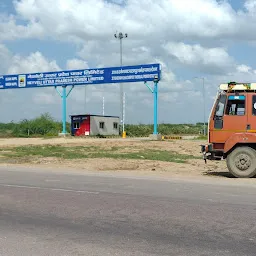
241 162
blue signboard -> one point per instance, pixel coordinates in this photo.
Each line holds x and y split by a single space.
125 74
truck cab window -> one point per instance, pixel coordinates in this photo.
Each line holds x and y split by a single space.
220 106
236 106
220 109
254 105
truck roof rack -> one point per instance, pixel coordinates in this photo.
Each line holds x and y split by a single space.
233 86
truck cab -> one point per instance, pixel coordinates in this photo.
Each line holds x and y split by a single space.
232 129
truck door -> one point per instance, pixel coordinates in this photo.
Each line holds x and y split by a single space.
251 113
234 119
235 115
216 122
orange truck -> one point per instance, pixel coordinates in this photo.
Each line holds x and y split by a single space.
232 129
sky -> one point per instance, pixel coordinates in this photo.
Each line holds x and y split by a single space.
212 39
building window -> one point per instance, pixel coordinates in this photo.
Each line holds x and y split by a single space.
102 125
76 125
236 106
115 125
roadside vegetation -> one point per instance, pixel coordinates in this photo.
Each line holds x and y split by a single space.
46 126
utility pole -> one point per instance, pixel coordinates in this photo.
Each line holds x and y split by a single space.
124 101
121 36
85 97
202 78
103 106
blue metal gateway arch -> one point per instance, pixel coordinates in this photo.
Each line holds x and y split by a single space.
125 74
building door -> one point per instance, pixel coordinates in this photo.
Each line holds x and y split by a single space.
85 126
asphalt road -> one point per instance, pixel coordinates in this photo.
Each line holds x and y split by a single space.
48 213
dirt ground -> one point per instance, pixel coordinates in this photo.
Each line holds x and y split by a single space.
195 167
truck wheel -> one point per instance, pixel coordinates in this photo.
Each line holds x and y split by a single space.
241 162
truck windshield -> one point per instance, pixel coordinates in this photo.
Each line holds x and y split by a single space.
220 106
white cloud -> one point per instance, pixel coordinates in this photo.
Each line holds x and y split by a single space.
212 60
250 6
243 73
5 56
243 68
76 64
144 20
35 62
11 30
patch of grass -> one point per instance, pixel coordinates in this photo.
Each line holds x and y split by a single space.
82 152
160 155
114 148
82 148
201 138
44 151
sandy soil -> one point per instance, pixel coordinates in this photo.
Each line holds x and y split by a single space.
192 147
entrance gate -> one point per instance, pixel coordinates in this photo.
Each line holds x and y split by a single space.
125 74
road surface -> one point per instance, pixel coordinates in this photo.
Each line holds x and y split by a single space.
55 213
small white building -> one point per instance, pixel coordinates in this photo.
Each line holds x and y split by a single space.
85 125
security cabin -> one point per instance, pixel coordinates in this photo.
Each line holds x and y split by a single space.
91 125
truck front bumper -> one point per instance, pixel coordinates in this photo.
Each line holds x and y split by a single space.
205 151
209 153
